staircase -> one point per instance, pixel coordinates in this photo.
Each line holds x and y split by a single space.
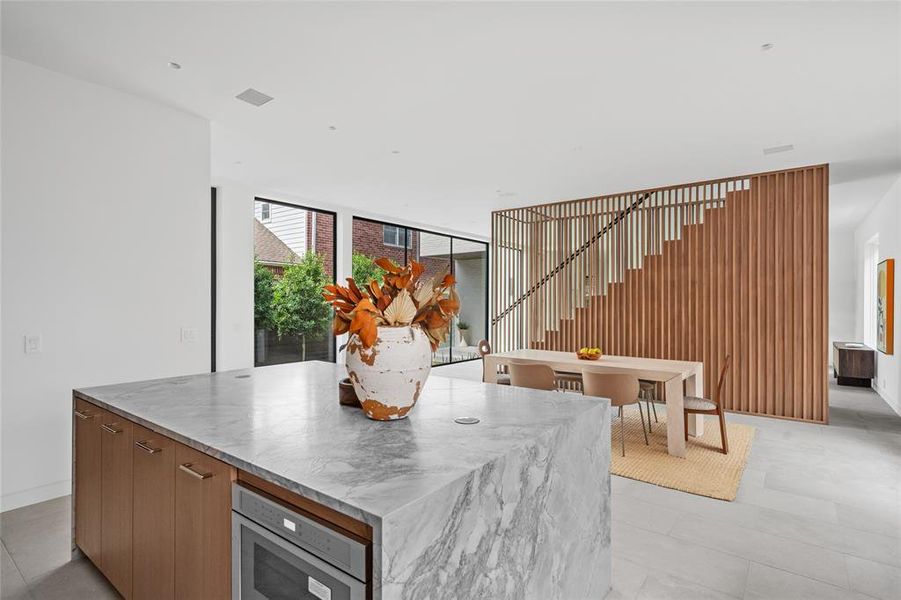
694 272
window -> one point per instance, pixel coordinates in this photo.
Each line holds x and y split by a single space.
292 244
870 265
392 235
439 254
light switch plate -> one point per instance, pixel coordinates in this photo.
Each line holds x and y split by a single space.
189 335
33 343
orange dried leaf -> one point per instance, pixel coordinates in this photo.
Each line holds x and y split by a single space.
388 265
368 333
449 306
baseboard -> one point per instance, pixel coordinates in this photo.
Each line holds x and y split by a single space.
35 495
887 398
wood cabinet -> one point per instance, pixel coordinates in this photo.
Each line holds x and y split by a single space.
116 500
86 499
853 363
202 525
153 564
154 515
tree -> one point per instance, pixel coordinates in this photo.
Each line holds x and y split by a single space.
364 269
263 288
299 308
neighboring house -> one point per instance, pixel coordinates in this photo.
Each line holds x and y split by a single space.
470 263
270 250
295 229
289 224
378 239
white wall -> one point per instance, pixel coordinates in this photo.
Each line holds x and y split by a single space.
842 282
234 276
105 254
884 220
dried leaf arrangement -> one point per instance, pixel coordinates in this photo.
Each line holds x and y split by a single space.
403 299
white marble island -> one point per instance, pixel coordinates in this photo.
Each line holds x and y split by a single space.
516 506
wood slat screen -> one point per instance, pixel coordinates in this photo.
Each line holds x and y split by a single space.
688 272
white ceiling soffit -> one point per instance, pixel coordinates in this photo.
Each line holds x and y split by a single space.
443 112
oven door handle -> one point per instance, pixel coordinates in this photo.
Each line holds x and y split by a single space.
357 588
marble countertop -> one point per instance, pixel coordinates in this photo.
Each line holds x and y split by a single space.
284 424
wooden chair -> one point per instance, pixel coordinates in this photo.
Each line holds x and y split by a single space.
703 406
485 348
622 390
535 376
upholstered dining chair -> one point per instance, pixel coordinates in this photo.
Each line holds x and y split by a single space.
485 348
703 406
622 390
535 376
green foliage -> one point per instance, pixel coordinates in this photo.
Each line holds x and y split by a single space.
462 325
365 270
299 308
263 288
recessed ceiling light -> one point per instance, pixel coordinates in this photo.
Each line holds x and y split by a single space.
255 97
778 149
767 46
238 162
174 65
395 152
332 128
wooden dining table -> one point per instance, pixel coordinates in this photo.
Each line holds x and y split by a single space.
679 378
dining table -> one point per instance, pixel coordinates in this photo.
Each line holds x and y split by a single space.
679 378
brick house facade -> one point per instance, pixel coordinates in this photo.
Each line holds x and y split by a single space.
369 239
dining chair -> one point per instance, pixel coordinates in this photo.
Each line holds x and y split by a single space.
535 376
502 378
647 391
622 390
703 406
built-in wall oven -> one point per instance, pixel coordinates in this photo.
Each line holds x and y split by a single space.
278 553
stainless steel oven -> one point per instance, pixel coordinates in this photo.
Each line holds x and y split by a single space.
278 553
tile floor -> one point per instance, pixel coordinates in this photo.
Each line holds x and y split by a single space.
818 517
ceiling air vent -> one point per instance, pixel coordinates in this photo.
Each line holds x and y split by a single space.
778 149
252 96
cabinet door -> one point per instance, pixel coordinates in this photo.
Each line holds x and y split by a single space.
153 530
116 499
202 525
87 506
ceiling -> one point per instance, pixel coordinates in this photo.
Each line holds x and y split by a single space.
445 112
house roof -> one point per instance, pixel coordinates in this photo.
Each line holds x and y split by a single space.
268 248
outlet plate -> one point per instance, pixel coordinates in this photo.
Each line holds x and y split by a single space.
33 343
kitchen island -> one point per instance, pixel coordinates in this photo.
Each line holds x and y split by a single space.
516 506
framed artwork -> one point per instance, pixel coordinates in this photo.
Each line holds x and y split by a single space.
885 306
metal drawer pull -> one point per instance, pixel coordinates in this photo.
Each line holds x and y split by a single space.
148 449
187 469
83 415
110 428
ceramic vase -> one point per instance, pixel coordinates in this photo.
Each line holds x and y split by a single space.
389 376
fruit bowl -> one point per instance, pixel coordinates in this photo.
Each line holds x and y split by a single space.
588 353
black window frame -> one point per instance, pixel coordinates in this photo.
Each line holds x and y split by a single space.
407 229
333 350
